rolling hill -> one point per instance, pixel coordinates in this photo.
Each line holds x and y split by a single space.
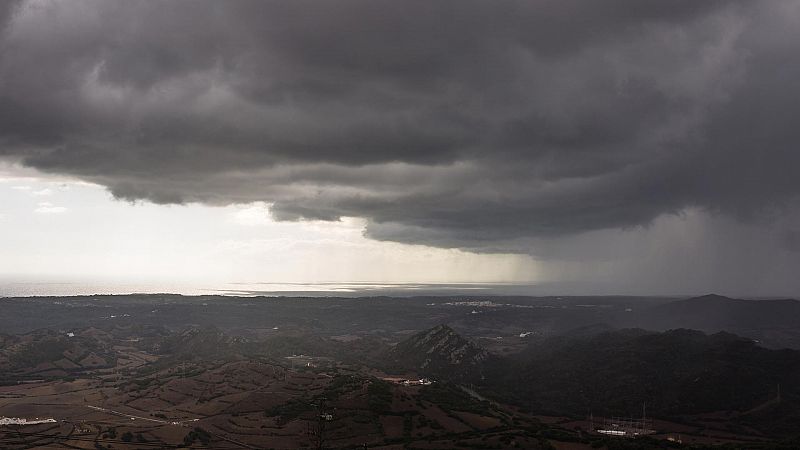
676 373
773 323
438 352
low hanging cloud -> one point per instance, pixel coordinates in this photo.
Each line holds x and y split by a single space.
49 208
471 124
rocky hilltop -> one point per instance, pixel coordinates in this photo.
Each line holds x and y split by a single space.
439 352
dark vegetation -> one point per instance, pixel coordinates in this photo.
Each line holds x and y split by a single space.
774 323
379 396
197 434
675 372
451 398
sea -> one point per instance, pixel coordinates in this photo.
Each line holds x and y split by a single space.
324 289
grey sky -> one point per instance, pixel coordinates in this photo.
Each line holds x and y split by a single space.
500 126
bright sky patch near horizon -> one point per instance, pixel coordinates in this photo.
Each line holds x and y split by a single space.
57 228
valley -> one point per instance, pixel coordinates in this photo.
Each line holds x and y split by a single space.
218 372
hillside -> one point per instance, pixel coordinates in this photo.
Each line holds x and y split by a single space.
774 323
198 342
439 352
49 354
248 390
682 374
679 372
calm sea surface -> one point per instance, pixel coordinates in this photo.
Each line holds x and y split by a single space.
28 289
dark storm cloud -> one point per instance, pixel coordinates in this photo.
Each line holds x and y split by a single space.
464 124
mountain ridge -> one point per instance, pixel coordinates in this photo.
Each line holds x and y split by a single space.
439 352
